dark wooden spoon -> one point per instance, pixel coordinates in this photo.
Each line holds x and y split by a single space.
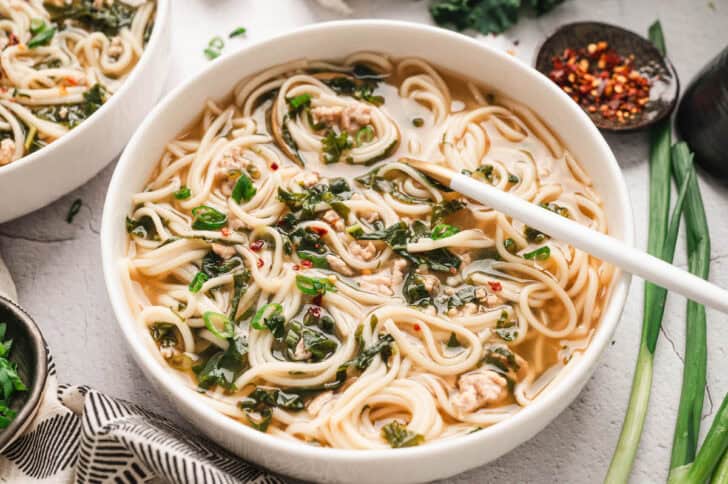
30 354
648 61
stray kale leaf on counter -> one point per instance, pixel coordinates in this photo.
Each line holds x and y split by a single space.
485 16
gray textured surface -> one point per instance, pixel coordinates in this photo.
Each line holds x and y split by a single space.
56 265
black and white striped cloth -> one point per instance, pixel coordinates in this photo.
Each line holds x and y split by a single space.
82 436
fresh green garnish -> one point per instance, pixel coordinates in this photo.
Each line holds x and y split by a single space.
262 400
383 346
213 323
513 178
444 209
211 53
317 260
563 211
453 342
398 235
485 16
183 193
42 33
364 135
442 231
109 19
198 281
214 48
244 189
334 145
143 228
398 435
542 253
208 218
510 245
414 290
418 122
73 210
298 103
266 312
10 382
359 88
314 286
222 367
237 32
533 235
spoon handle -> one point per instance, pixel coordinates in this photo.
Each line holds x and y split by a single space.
595 243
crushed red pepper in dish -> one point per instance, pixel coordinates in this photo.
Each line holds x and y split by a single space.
602 81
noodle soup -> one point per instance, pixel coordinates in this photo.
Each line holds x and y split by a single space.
286 264
61 60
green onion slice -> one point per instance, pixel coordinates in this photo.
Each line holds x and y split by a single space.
198 281
256 322
314 286
364 135
183 193
237 32
542 253
207 218
213 321
244 189
442 231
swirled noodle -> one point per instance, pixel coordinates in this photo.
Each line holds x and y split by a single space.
61 60
322 300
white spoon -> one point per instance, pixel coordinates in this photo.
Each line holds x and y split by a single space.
595 243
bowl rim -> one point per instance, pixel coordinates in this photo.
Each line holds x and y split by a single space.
37 388
161 16
158 374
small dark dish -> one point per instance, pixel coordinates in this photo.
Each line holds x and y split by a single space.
30 354
647 60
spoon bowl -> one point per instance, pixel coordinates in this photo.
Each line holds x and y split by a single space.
648 61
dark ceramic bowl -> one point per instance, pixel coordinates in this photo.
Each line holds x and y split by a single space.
30 354
648 61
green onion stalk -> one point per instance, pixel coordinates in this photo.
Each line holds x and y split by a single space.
659 245
687 427
712 459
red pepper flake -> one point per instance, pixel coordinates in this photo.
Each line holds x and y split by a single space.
257 245
225 232
12 39
307 264
315 311
320 231
417 327
495 286
317 300
602 81
274 166
296 267
260 263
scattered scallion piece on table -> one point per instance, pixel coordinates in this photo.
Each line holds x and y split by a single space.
238 32
73 210
654 301
214 47
687 428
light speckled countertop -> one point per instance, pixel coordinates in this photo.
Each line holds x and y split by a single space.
57 266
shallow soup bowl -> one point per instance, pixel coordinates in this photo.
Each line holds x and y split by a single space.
39 178
442 48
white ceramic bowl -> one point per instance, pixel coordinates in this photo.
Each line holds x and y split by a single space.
42 177
334 40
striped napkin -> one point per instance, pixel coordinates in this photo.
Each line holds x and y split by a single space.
83 436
